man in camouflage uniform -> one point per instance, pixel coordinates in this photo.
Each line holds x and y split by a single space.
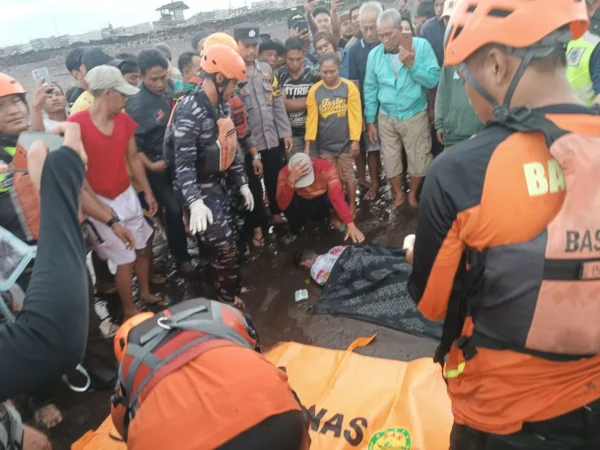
203 140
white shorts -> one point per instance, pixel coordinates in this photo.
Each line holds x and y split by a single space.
106 243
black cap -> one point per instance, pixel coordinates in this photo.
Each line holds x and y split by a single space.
95 56
320 10
269 43
294 19
248 34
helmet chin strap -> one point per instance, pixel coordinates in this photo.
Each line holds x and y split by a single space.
219 86
504 108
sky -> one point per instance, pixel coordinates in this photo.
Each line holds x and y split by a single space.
30 19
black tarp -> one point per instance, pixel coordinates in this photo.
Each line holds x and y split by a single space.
370 283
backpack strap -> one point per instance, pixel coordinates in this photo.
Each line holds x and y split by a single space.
214 335
471 270
525 120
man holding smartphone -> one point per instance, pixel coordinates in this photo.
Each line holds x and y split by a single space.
399 72
298 27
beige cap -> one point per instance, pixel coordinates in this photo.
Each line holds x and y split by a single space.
308 179
109 77
449 7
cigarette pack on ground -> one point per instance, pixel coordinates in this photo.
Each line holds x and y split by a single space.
301 295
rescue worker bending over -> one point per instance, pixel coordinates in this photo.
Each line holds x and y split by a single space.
205 143
508 233
194 377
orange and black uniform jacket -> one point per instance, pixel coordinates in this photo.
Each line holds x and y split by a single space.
211 400
483 193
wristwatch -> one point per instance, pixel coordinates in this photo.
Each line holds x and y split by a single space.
112 221
257 157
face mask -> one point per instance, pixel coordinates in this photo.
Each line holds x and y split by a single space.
15 255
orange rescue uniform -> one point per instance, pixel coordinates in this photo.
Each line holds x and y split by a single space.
478 195
222 393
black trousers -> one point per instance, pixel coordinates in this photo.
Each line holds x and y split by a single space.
301 211
162 188
285 431
577 430
273 160
258 217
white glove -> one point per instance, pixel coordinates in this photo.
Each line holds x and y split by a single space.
200 217
248 197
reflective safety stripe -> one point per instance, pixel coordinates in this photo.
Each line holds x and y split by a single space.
579 54
456 372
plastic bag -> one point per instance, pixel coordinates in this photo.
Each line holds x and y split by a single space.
15 255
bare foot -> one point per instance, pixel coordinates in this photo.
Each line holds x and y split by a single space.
412 201
33 439
278 219
364 183
258 241
372 193
155 300
48 416
158 280
398 201
129 313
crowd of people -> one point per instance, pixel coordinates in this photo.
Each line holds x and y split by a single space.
248 131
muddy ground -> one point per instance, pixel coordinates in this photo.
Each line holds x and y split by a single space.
272 278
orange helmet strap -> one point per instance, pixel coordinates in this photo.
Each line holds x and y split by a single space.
478 87
220 86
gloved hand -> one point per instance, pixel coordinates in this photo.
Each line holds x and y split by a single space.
248 197
200 217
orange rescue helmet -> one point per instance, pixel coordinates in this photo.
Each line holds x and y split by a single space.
120 343
219 38
221 59
516 24
10 86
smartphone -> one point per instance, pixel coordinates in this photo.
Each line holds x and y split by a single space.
406 41
26 140
302 26
42 75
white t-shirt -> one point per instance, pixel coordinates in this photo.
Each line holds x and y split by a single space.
49 123
324 264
